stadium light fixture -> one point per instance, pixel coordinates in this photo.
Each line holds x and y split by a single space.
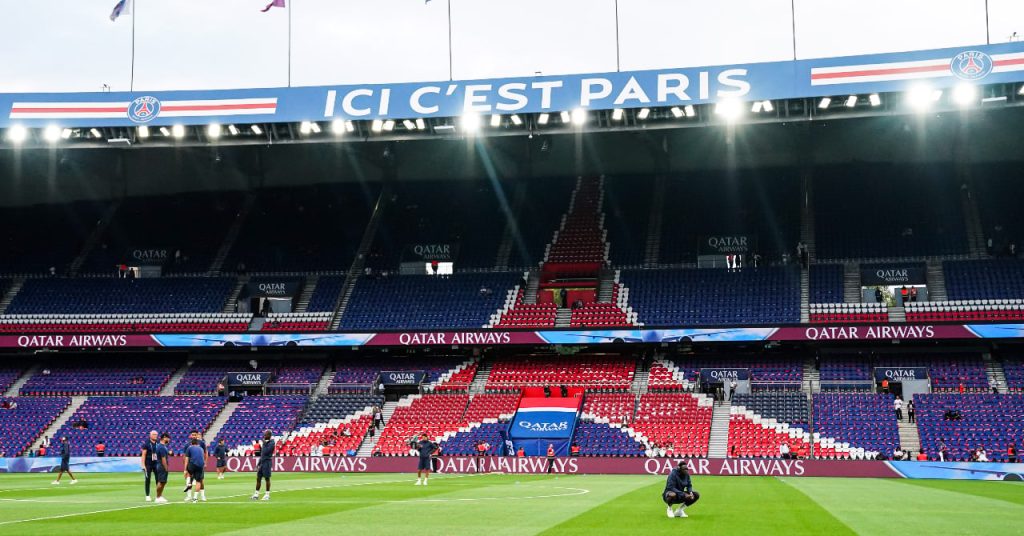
965 94
166 133
233 130
306 127
178 131
644 113
213 130
617 114
730 109
677 112
768 106
17 134
579 116
495 120
470 122
824 103
389 125
256 130
1020 91
351 127
143 131
851 101
95 133
921 96
51 134
315 127
409 125
338 127
874 99
564 116
756 106
377 125
516 120
66 133
542 119
689 110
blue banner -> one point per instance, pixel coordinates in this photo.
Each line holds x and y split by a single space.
901 374
723 375
402 377
960 470
543 422
988 64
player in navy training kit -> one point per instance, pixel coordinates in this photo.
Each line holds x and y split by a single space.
148 460
265 465
196 456
679 490
221 453
194 434
426 448
65 462
160 468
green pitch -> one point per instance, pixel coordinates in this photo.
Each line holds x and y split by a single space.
314 504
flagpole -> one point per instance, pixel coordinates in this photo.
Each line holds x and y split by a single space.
290 43
131 80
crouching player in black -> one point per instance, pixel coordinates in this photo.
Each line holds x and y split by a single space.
679 490
265 464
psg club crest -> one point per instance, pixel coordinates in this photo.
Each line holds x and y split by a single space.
971 65
144 109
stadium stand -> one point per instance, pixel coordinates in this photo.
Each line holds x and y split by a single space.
966 311
435 415
426 302
984 280
122 296
109 377
787 407
358 375
188 227
614 408
845 374
601 439
753 437
988 421
465 443
325 296
864 421
546 201
255 414
849 313
123 423
52 240
1013 369
826 283
127 323
678 423
516 314
947 373
924 223
337 437
665 376
670 297
627 209
297 322
338 407
25 422
766 371
607 373
8 375
309 229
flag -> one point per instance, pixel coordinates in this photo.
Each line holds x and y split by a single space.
123 7
273 3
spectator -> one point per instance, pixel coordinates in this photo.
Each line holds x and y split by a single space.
732 388
101 449
897 454
885 385
897 406
910 412
921 456
574 450
982 455
520 453
1011 453
784 452
961 388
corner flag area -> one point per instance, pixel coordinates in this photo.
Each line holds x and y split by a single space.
513 504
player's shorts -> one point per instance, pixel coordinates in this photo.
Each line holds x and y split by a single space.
263 470
190 468
197 474
65 465
161 476
221 463
425 464
679 499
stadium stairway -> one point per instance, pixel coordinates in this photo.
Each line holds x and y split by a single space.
653 245
359 262
805 296
232 302
172 382
232 235
935 278
483 372
718 446
324 384
851 282
370 443
307 293
8 297
812 378
909 438
995 373
562 317
640 379
61 420
897 314
211 433
21 381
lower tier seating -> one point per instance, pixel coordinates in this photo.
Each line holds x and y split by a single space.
255 414
987 421
600 439
864 421
678 423
334 438
22 421
110 376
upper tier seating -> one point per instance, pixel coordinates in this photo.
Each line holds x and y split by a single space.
763 204
255 414
465 214
357 375
297 322
695 297
127 323
826 282
590 372
20 426
984 279
615 408
986 420
9 373
627 206
947 372
844 313
336 407
314 228
193 224
1013 367
325 296
516 314
788 407
966 311
845 374
426 302
766 371
580 237
35 238
141 375
124 423
434 415
678 423
865 421
600 439
122 296
997 187
918 215
547 199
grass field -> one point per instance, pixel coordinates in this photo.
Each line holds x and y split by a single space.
505 504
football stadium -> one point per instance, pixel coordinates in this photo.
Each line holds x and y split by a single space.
512 267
